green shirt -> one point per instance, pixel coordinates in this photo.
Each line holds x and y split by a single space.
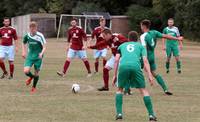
35 44
173 31
149 40
131 53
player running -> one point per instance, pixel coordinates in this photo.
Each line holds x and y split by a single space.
100 51
7 47
149 40
34 44
127 70
171 46
76 46
113 41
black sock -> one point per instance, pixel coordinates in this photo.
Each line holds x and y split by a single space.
35 80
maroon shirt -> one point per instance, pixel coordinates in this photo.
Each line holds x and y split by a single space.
97 33
7 35
113 43
76 35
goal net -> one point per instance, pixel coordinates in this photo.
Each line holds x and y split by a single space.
87 22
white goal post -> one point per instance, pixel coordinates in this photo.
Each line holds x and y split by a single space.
82 21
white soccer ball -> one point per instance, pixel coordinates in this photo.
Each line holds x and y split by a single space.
75 88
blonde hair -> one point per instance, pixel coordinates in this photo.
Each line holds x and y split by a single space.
33 24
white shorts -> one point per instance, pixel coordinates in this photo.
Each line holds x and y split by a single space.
76 53
100 53
111 62
7 52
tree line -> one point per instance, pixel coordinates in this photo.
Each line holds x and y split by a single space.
185 12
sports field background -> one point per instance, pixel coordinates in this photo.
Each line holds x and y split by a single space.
54 102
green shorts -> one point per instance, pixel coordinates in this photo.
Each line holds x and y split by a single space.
36 62
130 76
172 50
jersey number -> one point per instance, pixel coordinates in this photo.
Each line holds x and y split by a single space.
130 48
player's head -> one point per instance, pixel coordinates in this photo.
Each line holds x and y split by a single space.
170 22
145 25
102 22
107 34
73 22
133 36
6 21
33 27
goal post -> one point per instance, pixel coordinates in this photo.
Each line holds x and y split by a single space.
87 22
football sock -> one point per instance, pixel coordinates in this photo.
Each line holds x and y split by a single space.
161 82
11 69
106 77
148 104
35 80
118 102
29 74
66 66
87 65
2 65
178 64
96 66
167 65
104 62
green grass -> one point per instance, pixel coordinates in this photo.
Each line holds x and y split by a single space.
54 101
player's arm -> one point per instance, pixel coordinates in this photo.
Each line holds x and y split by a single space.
43 47
116 65
69 37
148 70
84 36
163 41
93 38
24 47
16 40
180 38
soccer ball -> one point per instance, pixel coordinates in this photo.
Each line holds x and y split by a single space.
75 88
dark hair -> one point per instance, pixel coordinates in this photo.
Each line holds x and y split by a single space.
6 18
133 36
107 31
102 19
146 23
74 19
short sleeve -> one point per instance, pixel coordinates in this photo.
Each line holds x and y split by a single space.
177 32
143 51
164 31
158 34
25 39
43 39
142 39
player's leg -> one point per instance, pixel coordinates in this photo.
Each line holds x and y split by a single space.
103 55
109 65
96 64
119 103
70 54
148 103
168 53
2 64
161 82
11 56
27 70
176 54
37 67
83 56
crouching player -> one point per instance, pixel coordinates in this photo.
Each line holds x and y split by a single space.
128 71
34 44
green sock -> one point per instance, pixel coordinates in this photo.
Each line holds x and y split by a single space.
35 80
119 102
126 89
178 65
29 74
148 104
167 65
161 82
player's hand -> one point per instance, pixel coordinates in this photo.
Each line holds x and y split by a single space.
40 55
180 38
67 48
164 48
24 55
181 47
151 81
114 80
16 49
84 48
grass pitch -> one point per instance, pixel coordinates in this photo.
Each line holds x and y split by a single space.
54 101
